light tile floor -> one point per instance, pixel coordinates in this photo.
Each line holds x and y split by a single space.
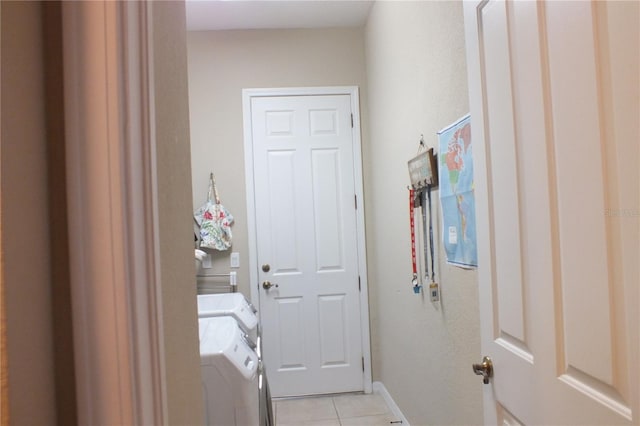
339 410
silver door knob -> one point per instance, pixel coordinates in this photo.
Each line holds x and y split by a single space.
485 369
267 285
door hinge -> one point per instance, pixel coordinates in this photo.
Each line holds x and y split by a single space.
355 200
359 284
363 364
352 121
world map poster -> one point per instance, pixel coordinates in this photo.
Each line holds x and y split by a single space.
457 197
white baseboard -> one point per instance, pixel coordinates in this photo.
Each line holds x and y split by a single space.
379 388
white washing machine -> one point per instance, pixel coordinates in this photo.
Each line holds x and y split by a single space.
230 304
230 376
234 307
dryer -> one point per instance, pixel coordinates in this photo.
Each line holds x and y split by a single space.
234 307
230 376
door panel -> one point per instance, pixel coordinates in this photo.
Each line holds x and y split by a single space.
556 271
306 231
582 265
504 160
326 201
589 359
507 419
333 337
281 221
291 333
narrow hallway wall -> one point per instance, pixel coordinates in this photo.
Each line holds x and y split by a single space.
180 328
417 84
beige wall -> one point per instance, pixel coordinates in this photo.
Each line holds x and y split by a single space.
182 354
417 85
221 64
25 218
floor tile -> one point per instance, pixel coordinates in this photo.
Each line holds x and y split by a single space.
380 420
296 411
360 405
334 422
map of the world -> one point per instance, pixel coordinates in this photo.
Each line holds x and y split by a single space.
457 193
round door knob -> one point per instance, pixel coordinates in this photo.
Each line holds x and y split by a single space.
267 285
485 369
266 267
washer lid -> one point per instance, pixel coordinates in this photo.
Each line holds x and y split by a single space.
217 334
234 304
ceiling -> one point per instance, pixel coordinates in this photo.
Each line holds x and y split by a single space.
204 15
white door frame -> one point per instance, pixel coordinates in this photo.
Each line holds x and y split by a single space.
352 91
111 195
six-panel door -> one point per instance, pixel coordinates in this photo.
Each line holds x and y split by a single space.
554 107
306 233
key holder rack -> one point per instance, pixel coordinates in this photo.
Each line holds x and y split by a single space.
423 172
423 168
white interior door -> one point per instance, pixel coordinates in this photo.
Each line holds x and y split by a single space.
554 107
307 243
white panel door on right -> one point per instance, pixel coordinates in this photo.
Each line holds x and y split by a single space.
307 243
554 89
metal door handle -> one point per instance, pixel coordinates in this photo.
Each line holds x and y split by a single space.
485 369
267 285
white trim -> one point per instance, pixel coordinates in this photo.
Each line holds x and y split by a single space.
250 189
380 389
113 255
353 92
471 10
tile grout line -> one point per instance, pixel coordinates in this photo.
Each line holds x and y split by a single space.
333 401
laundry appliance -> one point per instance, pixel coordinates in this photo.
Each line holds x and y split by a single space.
241 397
229 373
230 304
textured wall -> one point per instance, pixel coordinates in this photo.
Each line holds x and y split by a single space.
221 64
182 354
417 85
